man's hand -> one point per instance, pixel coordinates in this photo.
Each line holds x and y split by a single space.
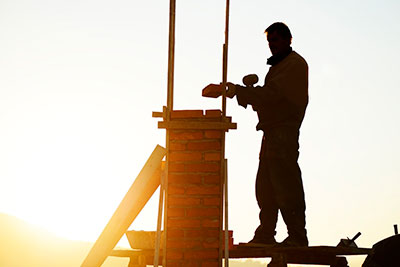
231 92
216 90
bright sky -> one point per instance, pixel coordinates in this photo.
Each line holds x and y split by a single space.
80 79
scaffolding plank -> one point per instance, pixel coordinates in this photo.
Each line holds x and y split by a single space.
196 125
319 255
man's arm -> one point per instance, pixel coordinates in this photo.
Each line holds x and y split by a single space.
256 96
291 83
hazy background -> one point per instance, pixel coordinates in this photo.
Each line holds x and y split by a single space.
79 80
32 246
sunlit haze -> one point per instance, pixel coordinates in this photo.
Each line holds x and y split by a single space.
79 81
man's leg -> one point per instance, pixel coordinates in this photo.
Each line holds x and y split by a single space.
285 177
265 232
290 198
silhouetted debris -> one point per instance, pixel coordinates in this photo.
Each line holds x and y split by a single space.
385 253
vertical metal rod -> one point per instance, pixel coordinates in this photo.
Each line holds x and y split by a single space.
164 261
160 211
225 58
226 214
221 214
171 56
224 81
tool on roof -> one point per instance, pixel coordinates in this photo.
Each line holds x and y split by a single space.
349 242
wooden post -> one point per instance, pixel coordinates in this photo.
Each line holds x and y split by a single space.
278 260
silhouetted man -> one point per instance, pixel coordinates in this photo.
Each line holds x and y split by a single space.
280 104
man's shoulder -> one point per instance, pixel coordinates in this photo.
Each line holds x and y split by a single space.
293 60
295 57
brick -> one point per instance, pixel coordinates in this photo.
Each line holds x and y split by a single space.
172 263
202 212
179 114
201 254
174 233
183 263
212 179
176 190
213 134
185 156
195 135
212 156
176 167
210 223
176 212
174 146
134 261
203 190
187 223
184 244
202 167
203 146
184 178
148 258
230 233
202 233
174 255
209 264
213 113
213 243
183 201
212 201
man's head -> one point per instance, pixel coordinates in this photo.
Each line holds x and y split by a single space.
279 38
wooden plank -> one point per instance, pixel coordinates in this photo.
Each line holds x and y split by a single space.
196 125
318 255
157 114
260 252
147 254
321 255
130 252
254 252
135 199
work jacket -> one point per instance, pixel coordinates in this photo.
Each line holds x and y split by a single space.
283 98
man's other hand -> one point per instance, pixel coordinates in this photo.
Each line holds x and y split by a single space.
231 92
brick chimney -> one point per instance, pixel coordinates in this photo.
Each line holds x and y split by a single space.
195 184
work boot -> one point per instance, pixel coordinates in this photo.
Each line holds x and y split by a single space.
295 240
261 242
295 222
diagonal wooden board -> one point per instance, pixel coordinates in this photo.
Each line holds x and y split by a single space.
144 186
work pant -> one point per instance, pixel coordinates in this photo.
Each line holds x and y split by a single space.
279 185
